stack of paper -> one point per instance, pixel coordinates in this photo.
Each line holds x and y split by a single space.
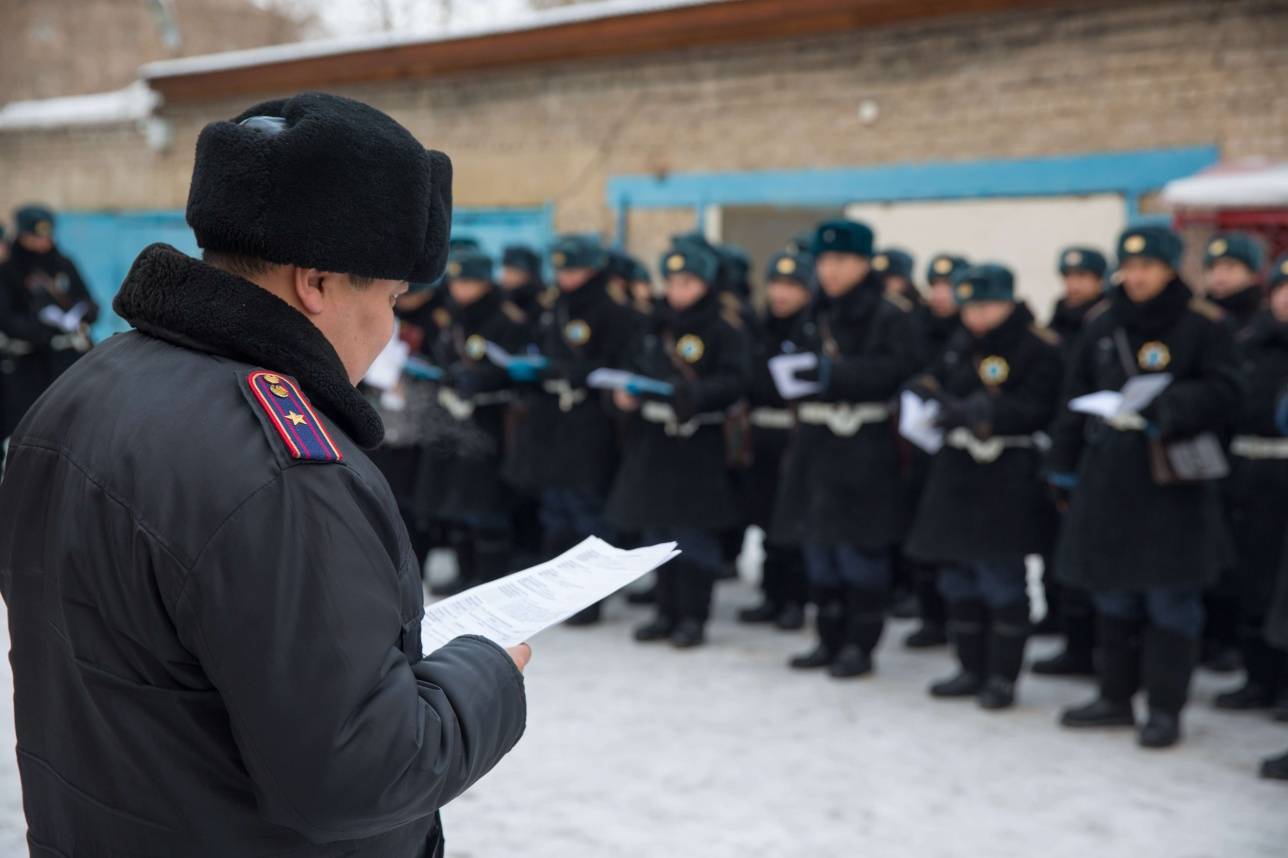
784 368
1136 395
386 371
512 609
917 422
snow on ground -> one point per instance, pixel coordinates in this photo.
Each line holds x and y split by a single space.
640 752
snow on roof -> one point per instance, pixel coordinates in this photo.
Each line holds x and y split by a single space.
134 102
1247 184
533 20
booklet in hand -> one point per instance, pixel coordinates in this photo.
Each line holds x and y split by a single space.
620 379
917 422
784 369
513 609
1135 397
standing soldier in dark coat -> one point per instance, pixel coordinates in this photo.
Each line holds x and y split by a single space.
45 313
521 279
1232 280
1069 610
1143 542
567 448
1277 622
468 492
783 580
939 319
1257 497
985 507
218 651
841 488
675 483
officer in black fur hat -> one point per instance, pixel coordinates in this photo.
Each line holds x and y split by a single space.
1144 537
984 508
244 670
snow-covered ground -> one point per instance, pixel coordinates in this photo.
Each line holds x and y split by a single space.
643 752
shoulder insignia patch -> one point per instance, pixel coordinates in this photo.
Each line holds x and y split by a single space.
899 301
293 418
547 298
513 313
617 292
1207 309
732 317
1046 335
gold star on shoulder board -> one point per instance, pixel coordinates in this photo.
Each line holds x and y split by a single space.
296 419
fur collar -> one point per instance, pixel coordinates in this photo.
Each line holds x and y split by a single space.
176 298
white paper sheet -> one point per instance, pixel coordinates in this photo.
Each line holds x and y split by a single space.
619 379
1136 395
513 609
386 371
498 355
917 422
783 370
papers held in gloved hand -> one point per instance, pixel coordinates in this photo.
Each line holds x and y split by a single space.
620 379
513 609
1123 406
917 422
53 316
783 369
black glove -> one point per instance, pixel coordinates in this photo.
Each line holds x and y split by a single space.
974 411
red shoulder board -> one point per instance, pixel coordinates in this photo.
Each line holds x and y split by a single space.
293 417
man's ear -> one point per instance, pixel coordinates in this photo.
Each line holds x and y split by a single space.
310 288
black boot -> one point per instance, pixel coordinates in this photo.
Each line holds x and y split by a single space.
694 585
932 632
647 596
1260 688
666 599
1052 622
1168 665
1076 659
1119 674
791 618
771 586
969 635
1276 768
830 622
1010 632
864 622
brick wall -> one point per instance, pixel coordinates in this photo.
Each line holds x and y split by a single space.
1085 77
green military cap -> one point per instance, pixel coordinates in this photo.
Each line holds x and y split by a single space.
640 272
893 260
34 220
945 266
842 236
1151 242
1279 271
463 242
1087 259
796 267
575 250
522 257
1234 245
988 281
469 264
693 258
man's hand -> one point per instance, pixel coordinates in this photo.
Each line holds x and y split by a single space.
522 654
625 401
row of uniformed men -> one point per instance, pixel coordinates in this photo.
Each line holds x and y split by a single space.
828 477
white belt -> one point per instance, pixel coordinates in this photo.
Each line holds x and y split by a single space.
772 418
66 342
659 412
463 409
843 418
990 449
1253 447
16 348
569 397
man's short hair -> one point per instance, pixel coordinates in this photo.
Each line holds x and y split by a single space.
249 266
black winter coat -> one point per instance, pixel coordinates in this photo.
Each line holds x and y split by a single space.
461 474
215 644
846 488
33 352
566 438
1257 489
771 417
977 508
1123 531
674 471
